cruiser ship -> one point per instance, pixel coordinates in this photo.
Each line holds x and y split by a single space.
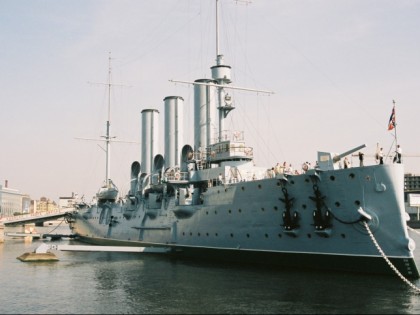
208 200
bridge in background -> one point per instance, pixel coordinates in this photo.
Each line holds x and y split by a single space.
37 218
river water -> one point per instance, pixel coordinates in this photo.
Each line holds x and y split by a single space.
134 283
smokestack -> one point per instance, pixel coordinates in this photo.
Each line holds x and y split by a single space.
174 131
6 183
149 146
205 113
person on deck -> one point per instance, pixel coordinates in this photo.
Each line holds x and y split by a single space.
398 154
346 162
361 156
381 156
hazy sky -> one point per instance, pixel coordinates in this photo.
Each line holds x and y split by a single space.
335 68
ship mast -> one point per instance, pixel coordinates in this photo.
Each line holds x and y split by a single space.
108 125
221 79
217 28
221 73
108 185
108 138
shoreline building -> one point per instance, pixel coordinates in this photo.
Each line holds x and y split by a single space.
412 198
43 205
12 201
67 202
411 183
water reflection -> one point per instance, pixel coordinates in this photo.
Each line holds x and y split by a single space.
88 282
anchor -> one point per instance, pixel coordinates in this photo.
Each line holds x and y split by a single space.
322 221
290 220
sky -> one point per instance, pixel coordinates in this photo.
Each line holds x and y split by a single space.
335 68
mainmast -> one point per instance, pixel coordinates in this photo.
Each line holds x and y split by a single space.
204 104
221 73
217 28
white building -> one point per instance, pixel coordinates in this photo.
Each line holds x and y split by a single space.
12 201
67 202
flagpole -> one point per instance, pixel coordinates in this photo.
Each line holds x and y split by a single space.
392 125
395 127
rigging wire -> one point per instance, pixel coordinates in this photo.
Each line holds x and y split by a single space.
241 37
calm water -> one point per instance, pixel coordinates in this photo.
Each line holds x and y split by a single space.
128 283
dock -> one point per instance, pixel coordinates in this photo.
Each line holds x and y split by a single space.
39 235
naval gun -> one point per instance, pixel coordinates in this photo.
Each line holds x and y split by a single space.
328 162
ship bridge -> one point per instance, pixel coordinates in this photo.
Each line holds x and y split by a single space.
231 147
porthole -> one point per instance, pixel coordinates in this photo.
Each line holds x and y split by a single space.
351 175
309 235
266 235
337 204
275 208
357 203
304 206
279 235
332 177
243 188
343 235
239 210
259 186
247 235
231 234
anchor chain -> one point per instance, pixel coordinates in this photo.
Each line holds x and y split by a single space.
290 220
321 220
68 217
390 264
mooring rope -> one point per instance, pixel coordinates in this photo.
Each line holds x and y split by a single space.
390 264
55 227
413 230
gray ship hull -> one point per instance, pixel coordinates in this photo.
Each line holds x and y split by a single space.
245 222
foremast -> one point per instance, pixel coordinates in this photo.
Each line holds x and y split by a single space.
108 192
108 125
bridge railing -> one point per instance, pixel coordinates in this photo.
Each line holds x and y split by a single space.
34 215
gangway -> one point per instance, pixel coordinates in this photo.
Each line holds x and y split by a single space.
22 234
39 235
34 218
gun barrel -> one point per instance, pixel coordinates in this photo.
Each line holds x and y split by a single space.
338 157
